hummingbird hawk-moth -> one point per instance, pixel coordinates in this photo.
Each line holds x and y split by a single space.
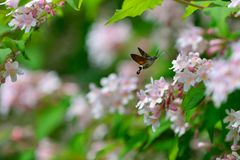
145 60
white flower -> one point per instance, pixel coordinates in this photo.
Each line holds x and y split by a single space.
234 3
12 70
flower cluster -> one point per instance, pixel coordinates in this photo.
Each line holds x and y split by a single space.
80 110
191 40
232 156
175 115
103 42
31 14
115 93
190 69
233 120
222 74
159 96
30 89
152 101
11 3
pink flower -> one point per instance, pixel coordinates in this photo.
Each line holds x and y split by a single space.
187 78
151 101
115 93
46 150
24 21
179 125
30 15
81 110
191 40
10 3
112 37
190 69
13 70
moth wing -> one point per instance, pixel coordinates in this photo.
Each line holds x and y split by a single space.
139 59
143 53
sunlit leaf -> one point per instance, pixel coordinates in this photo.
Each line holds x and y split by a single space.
133 8
191 9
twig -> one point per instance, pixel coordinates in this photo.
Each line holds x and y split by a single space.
190 4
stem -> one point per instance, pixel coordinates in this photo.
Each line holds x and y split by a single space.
190 4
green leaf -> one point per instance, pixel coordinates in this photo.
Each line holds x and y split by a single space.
164 125
72 3
133 8
191 9
193 97
27 155
209 122
49 119
189 113
79 4
219 15
4 29
134 142
174 152
15 45
4 53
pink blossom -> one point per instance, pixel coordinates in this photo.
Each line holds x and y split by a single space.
223 77
191 40
81 110
150 103
10 3
190 69
30 15
179 125
27 91
12 70
46 150
115 93
112 37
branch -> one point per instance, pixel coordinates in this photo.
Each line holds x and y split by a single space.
190 4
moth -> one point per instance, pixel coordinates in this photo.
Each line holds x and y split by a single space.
145 60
